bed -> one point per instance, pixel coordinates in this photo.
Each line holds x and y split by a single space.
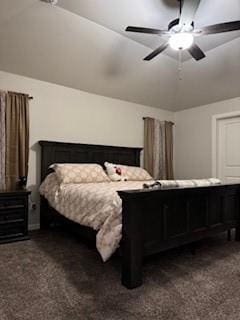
152 220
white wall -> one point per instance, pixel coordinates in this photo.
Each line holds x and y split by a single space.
193 138
62 114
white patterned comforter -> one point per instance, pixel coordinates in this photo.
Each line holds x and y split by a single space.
95 205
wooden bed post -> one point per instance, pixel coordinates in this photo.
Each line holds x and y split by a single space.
237 234
44 217
237 229
132 242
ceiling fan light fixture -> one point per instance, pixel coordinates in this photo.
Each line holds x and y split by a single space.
181 41
53 2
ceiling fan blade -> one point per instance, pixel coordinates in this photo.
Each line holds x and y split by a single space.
219 28
188 12
156 52
146 30
196 52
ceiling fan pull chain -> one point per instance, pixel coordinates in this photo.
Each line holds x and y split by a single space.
180 64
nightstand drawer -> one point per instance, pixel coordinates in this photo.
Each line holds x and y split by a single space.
12 203
11 215
12 229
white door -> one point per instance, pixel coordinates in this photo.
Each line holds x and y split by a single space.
228 149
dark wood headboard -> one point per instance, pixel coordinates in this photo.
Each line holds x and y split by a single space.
62 152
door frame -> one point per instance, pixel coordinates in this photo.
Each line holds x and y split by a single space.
215 120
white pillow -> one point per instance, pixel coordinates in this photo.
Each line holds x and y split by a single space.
79 172
129 173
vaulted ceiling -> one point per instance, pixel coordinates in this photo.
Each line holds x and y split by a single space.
82 44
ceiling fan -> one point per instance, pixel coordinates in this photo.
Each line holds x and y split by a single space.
182 31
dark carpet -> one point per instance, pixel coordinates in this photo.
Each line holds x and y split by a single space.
55 276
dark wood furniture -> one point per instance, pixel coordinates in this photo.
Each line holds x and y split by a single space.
153 220
13 215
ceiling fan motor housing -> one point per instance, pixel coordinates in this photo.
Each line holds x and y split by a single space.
50 1
175 23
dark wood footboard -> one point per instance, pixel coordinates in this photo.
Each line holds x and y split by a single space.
158 220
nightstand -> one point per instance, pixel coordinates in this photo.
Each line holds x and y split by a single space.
14 215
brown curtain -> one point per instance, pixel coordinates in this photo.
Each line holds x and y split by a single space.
169 150
148 145
17 138
158 148
2 139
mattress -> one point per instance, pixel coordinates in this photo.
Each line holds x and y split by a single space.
95 205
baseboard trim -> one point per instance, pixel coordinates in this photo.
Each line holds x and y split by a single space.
35 226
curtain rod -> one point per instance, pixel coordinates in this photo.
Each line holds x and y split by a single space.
29 97
144 118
